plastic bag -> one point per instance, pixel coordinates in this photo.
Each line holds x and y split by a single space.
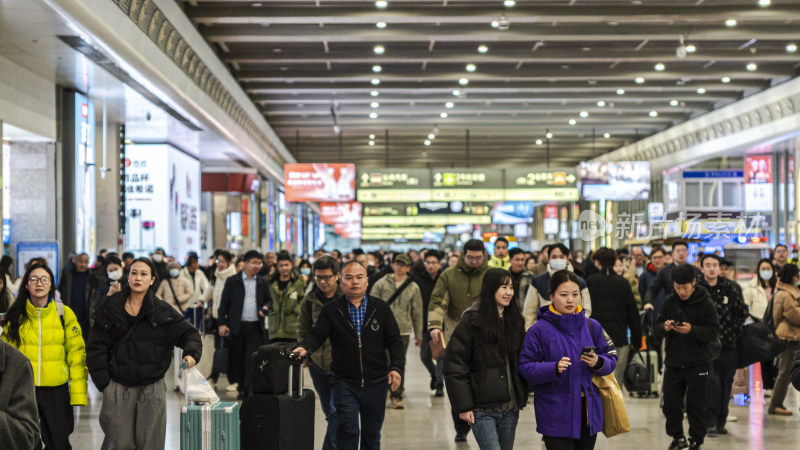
196 388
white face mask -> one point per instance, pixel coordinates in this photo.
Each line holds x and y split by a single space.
174 273
157 258
558 264
115 275
765 275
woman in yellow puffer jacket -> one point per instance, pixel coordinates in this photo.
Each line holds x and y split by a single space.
56 350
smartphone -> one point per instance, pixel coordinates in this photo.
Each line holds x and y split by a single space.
677 323
587 350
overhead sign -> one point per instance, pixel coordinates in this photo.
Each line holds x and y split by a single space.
394 185
429 220
541 184
348 230
319 182
758 194
339 213
619 181
468 185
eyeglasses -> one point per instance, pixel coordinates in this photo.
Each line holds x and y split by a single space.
36 280
323 278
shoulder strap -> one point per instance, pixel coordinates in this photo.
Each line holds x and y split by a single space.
60 308
398 291
122 340
174 297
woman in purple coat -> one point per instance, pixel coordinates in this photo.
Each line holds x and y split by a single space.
567 404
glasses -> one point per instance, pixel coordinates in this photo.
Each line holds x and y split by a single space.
473 258
323 278
44 281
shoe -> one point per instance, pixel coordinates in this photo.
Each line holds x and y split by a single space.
461 438
694 445
780 411
711 432
678 443
232 387
732 419
722 430
439 392
397 403
767 393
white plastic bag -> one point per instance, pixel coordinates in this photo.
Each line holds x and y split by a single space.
196 388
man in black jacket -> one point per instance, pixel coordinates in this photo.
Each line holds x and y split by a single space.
361 329
77 287
19 419
732 313
243 307
688 319
680 251
426 280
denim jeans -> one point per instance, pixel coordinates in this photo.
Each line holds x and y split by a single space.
351 402
495 430
323 383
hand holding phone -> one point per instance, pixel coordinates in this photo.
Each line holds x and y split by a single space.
588 350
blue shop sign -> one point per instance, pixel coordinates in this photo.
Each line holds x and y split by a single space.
713 174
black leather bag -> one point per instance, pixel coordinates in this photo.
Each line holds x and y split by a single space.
637 374
222 357
758 343
270 365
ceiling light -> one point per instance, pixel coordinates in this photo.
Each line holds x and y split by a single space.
538 142
471 67
752 67
463 81
427 142
791 48
376 68
584 114
375 81
381 25
509 3
653 113
456 92
639 80
374 93
691 48
673 103
449 105
730 23
601 103
660 67
257 5
764 2
620 91
443 115
379 49
431 136
572 121
502 24
495 24
374 104
549 135
373 115
372 136
483 49
701 90
726 80
371 143
381 4
606 135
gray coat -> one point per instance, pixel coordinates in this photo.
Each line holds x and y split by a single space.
407 307
19 418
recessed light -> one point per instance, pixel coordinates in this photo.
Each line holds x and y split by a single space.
673 103
572 121
620 91
374 104
653 113
730 23
601 103
456 93
381 4
701 90
509 3
257 5
443 115
449 105
372 136
764 2
427 142
463 81
375 81
495 24
549 135
379 50
471 68
726 80
483 49
431 136
639 80
373 115
381 25
374 93
371 143
691 48
606 135
752 67
660 67
791 48
377 69
538 142
584 114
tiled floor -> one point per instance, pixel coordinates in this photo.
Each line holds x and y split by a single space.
426 423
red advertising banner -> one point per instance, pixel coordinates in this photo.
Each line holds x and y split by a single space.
758 169
320 182
348 230
551 211
340 213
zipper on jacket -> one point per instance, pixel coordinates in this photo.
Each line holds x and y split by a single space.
39 370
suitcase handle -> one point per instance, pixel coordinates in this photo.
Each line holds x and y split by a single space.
299 368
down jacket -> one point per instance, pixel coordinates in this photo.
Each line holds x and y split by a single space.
183 289
557 399
786 312
214 294
57 352
615 307
145 356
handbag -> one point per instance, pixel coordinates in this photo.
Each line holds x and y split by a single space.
758 342
615 416
221 360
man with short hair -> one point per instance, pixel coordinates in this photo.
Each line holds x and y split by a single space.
244 304
732 313
780 256
77 288
404 298
361 330
520 276
663 280
543 259
500 257
127 260
326 290
197 277
426 280
287 289
689 322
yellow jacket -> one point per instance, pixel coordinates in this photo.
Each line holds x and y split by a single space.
57 353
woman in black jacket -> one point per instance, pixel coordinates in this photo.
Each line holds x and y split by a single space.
481 360
129 352
614 306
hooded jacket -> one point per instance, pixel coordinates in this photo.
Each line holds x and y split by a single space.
689 350
285 307
557 400
500 263
57 352
310 309
663 280
539 295
407 307
455 291
615 307
786 312
214 295
19 418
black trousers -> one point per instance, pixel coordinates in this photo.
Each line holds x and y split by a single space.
218 340
56 420
462 426
769 372
720 382
242 345
689 383
586 442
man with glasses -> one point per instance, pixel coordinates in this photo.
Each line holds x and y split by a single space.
780 257
361 329
663 281
243 307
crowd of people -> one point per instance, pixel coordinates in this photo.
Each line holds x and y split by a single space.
492 330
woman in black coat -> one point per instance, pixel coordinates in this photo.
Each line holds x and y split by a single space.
614 306
481 360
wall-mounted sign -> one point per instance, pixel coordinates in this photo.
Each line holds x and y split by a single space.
319 182
27 250
655 212
85 226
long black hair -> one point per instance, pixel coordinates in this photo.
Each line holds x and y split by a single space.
788 272
504 335
4 303
772 281
16 314
153 274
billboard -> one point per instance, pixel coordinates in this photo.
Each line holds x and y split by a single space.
758 190
319 182
619 181
338 213
162 197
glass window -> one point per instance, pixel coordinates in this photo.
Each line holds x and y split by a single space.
692 194
710 193
731 194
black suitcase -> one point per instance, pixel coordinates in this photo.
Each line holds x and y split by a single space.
279 422
270 366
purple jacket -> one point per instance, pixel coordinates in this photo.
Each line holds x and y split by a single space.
557 399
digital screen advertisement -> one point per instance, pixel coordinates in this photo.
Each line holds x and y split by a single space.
618 181
320 182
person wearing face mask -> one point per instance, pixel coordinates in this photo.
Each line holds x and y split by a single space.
757 294
159 258
539 295
305 271
786 314
113 282
175 290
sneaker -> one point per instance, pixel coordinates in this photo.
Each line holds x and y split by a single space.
232 387
767 393
397 403
732 419
678 443
722 430
711 432
439 392
780 411
461 438
694 445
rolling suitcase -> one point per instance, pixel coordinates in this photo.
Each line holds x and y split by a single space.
270 365
280 421
210 427
645 383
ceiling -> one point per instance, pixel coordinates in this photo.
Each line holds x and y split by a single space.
561 65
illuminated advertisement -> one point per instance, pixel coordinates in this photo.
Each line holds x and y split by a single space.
624 180
484 185
394 185
541 184
85 206
338 213
162 197
758 183
511 213
319 182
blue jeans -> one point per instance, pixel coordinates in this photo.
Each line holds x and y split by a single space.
351 402
495 430
323 383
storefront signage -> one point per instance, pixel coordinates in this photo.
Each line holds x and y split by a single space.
713 173
319 182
